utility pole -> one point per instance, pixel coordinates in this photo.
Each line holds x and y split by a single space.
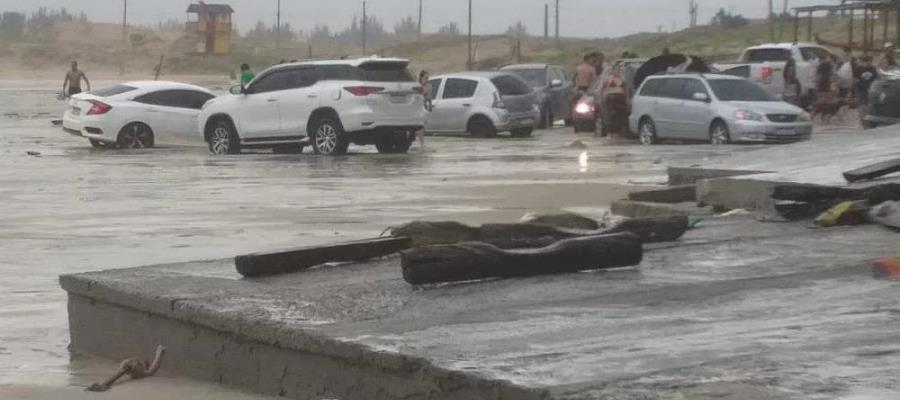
771 22
693 10
365 33
557 21
278 25
471 61
420 19
546 21
125 22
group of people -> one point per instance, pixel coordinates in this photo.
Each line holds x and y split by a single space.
612 92
838 83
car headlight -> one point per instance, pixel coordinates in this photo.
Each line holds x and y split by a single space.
804 116
745 115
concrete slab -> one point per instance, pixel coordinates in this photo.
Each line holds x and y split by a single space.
737 310
745 179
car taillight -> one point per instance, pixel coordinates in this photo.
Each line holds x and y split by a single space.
98 107
767 73
363 90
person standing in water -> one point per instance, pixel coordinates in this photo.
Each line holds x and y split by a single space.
246 76
425 87
72 83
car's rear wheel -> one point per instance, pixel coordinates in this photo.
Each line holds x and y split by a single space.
223 138
522 132
482 127
394 144
135 135
719 134
647 132
329 138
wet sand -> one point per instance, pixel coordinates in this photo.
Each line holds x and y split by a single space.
75 209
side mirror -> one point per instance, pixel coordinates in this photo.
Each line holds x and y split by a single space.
701 97
556 83
237 90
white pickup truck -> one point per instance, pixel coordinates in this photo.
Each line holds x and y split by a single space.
764 64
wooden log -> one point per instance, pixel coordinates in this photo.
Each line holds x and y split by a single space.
873 171
427 233
296 260
654 230
671 194
476 260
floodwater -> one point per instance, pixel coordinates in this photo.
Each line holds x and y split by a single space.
70 208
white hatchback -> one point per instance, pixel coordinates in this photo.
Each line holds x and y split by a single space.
137 114
329 104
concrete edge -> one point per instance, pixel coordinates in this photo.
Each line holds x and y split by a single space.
692 175
274 334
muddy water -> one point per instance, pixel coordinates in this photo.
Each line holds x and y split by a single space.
70 208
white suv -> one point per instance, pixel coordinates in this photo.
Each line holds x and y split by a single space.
328 104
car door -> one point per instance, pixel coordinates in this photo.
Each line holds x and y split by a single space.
666 110
563 94
452 111
257 111
694 115
150 112
299 99
176 112
430 119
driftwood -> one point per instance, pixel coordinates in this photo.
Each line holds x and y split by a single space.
296 260
476 260
135 368
520 236
873 171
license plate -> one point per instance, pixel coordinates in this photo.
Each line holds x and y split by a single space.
526 121
786 131
398 99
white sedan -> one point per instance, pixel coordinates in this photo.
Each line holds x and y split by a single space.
137 114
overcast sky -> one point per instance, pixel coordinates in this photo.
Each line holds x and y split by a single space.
583 18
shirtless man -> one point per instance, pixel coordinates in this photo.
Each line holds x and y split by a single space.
72 84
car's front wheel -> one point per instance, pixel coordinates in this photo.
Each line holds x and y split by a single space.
135 135
329 138
223 138
719 134
647 131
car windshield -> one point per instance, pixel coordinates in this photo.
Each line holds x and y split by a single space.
113 90
509 85
533 77
739 90
763 55
387 72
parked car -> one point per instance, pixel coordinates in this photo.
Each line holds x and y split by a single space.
483 104
328 104
765 64
553 86
137 114
715 108
884 102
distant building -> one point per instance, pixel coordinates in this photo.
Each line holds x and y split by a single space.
209 26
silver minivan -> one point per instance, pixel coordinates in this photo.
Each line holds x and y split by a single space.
719 109
482 104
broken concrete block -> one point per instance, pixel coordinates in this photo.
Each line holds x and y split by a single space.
638 209
671 194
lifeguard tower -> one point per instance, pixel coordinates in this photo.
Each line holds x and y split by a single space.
210 27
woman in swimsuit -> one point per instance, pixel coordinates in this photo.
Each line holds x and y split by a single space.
615 102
